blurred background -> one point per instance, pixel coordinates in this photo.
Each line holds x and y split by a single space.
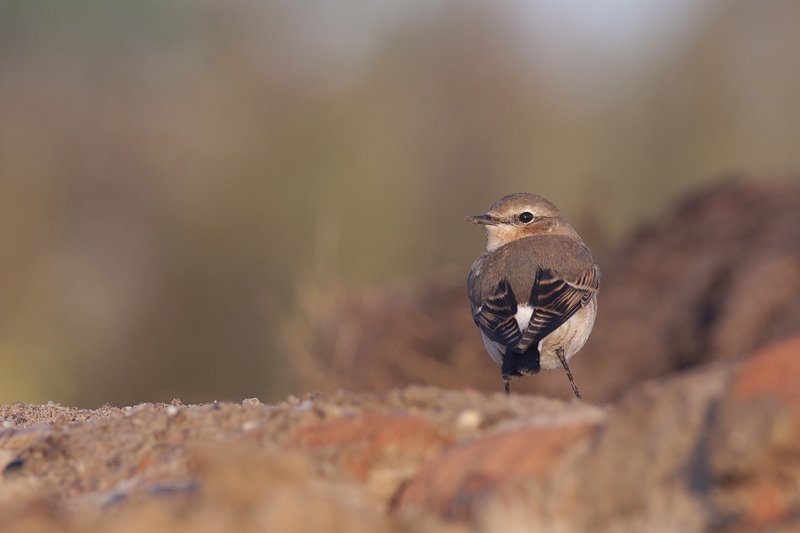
172 173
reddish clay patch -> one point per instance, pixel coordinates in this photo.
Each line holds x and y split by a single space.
766 504
360 442
774 370
451 484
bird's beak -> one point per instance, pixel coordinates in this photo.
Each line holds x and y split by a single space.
484 220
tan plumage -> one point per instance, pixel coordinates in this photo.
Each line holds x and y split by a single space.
533 293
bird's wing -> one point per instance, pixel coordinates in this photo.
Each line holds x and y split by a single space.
496 316
554 301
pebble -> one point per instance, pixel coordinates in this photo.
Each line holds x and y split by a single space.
305 405
469 419
250 425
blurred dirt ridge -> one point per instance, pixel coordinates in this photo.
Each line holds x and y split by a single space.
711 280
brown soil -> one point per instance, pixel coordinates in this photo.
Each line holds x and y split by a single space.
216 466
716 448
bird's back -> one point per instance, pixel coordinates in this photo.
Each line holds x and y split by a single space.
519 261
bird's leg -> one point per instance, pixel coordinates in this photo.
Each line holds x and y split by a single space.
560 353
507 381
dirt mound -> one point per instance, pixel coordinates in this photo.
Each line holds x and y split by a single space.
714 448
712 280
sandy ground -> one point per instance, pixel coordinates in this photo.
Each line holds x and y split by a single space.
714 448
65 466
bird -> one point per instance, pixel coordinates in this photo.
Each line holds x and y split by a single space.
533 292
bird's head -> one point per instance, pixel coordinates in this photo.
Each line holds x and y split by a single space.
520 215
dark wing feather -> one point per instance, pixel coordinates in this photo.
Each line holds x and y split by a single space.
496 316
554 301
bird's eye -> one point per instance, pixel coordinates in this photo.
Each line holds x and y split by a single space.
525 217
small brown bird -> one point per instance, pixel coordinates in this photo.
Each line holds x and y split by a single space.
533 292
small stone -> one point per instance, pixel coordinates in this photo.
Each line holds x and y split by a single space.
251 402
332 411
172 410
305 405
250 425
469 419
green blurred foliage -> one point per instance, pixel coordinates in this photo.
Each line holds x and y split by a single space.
169 170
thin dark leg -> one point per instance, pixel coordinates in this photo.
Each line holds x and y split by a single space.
563 360
508 385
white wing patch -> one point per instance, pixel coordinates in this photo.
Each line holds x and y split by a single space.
523 316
